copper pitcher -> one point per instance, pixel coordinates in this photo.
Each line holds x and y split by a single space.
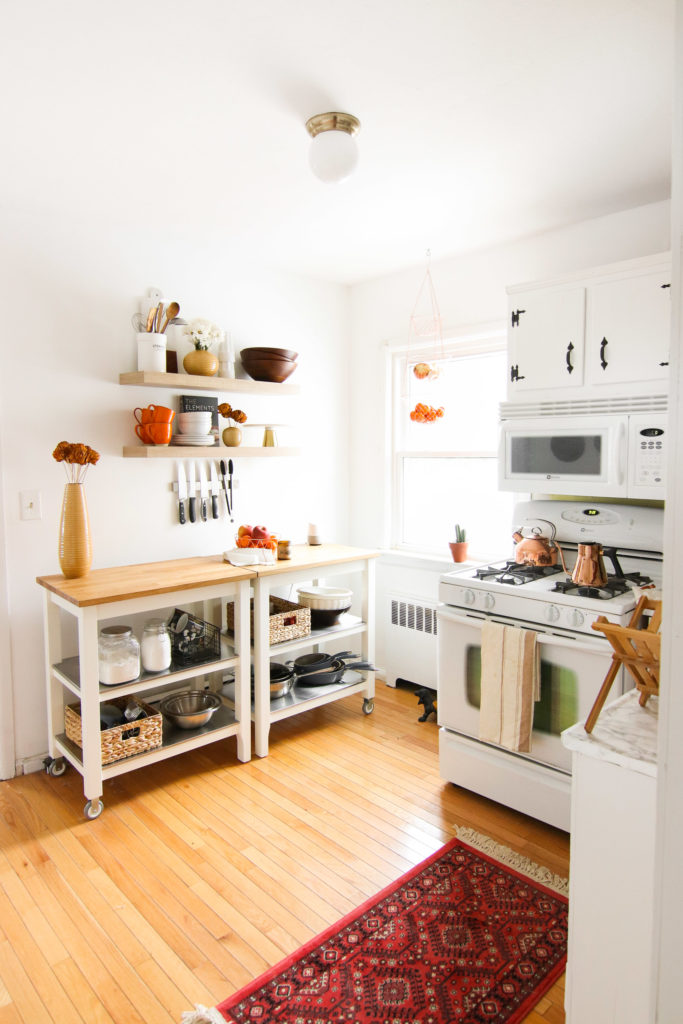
589 570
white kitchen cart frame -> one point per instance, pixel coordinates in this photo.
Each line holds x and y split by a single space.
311 562
106 594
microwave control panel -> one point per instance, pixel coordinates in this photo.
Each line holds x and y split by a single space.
648 448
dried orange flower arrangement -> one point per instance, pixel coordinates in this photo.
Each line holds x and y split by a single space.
77 459
228 413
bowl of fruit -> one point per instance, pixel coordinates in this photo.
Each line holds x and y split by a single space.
256 537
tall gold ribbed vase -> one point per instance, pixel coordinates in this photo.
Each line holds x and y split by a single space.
75 547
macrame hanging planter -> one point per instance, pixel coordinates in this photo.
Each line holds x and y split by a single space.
425 325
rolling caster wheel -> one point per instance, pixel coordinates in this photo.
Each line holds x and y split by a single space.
93 809
56 767
368 706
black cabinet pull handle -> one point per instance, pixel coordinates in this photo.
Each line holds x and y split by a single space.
515 375
665 286
570 349
664 364
514 318
603 346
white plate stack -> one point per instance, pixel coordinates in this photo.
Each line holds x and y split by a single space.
194 428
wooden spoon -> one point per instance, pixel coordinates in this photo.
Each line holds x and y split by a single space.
172 311
150 320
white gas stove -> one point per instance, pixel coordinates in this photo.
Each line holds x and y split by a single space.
574 658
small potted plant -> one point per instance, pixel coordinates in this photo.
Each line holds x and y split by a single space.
232 435
459 545
199 361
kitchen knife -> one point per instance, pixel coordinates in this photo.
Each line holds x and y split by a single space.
203 492
192 486
223 472
215 491
230 488
182 492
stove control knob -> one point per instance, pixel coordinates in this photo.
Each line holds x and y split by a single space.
576 617
489 601
552 613
468 597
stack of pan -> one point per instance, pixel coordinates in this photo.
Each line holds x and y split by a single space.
326 669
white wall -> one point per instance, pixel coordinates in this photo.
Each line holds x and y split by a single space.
471 291
70 290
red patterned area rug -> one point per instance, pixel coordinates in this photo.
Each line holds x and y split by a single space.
460 939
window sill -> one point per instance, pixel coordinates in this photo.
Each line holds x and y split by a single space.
418 560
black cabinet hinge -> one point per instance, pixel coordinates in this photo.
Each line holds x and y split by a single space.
514 318
515 375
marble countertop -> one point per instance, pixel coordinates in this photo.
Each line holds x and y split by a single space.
625 734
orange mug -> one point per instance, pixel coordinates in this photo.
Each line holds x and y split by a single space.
141 431
159 433
146 415
160 414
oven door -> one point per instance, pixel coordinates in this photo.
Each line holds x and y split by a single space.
573 668
565 455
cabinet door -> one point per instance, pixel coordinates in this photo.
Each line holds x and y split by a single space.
545 339
628 325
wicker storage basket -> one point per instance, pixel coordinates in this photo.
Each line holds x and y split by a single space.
122 740
287 621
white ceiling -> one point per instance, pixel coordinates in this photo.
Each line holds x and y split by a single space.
482 120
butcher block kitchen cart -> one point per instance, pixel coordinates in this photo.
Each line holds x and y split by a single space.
87 604
311 563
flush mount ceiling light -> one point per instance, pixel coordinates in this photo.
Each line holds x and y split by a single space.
333 154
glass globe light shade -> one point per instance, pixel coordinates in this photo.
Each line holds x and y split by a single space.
333 155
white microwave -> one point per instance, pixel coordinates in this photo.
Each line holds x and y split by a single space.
604 456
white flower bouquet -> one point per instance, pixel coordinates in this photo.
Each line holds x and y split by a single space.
203 334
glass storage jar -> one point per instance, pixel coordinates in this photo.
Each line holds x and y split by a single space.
119 655
156 646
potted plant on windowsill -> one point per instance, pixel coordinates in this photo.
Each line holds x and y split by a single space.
459 545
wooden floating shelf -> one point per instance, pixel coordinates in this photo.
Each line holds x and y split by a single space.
193 382
210 451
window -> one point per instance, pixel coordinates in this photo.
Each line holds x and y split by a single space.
446 471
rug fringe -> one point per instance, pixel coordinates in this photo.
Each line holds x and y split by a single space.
203 1015
512 859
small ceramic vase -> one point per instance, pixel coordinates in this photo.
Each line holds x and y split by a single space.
232 437
201 363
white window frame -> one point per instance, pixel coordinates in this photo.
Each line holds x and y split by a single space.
456 344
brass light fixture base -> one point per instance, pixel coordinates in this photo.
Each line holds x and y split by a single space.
332 121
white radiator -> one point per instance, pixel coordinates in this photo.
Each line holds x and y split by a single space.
410 649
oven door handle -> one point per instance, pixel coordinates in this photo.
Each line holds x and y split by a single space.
580 642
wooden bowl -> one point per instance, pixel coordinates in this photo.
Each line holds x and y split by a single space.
271 368
280 353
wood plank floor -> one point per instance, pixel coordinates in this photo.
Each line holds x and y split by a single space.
201 871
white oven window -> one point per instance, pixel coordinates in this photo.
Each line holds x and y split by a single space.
558 708
446 471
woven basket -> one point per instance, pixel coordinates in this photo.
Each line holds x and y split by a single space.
122 740
287 621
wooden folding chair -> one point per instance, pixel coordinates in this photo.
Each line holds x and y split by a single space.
635 648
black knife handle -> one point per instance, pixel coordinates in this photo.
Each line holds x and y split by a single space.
203 510
181 511
214 506
193 509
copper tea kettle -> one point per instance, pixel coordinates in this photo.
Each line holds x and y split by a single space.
536 548
589 570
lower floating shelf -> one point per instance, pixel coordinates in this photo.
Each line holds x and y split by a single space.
209 451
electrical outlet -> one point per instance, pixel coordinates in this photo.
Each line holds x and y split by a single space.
30 505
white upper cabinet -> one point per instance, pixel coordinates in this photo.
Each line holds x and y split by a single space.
627 329
601 333
545 339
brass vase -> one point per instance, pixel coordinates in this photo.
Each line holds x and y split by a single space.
232 437
200 363
75 547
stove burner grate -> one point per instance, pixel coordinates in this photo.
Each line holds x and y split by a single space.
515 573
614 586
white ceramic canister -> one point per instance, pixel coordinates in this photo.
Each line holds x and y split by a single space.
156 646
118 655
151 352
